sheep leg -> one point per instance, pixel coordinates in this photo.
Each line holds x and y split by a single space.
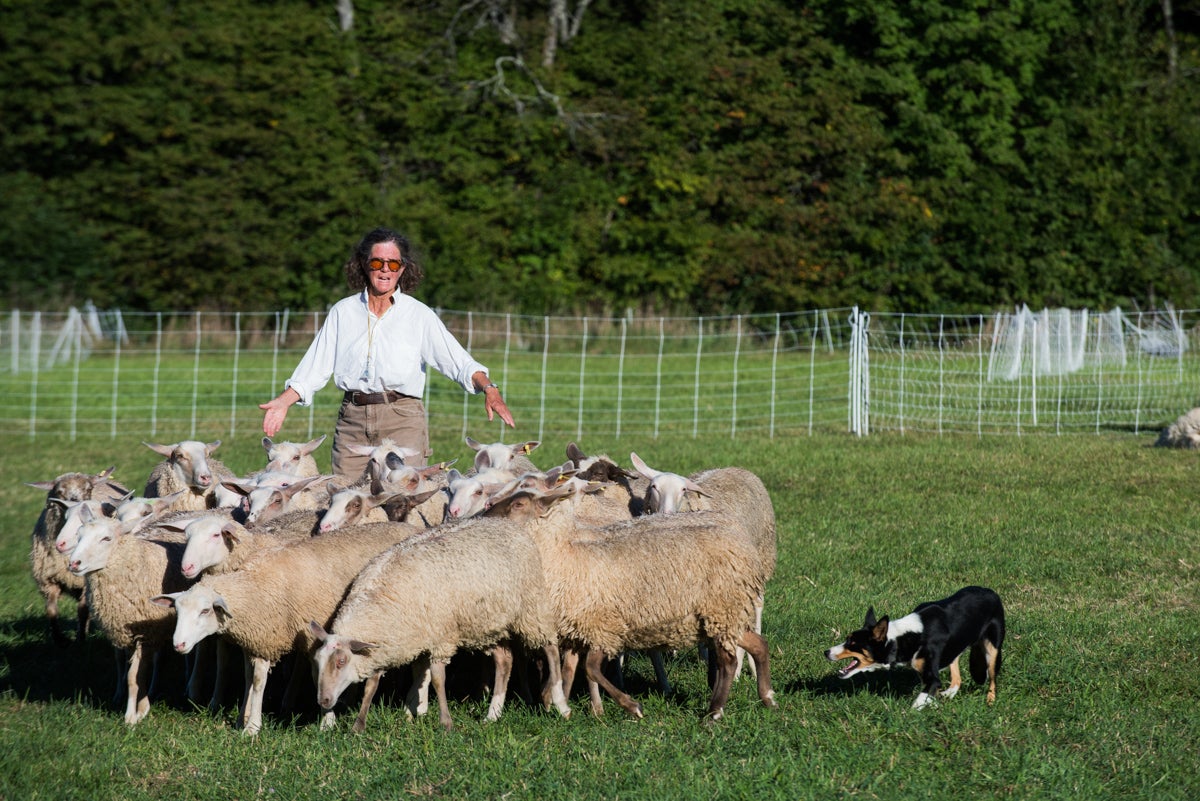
369 688
81 621
52 593
417 702
595 673
756 646
726 662
741 652
137 683
437 673
660 671
220 680
503 657
200 661
552 688
570 661
295 680
120 691
256 688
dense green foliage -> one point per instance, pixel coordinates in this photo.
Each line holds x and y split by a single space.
1091 541
726 155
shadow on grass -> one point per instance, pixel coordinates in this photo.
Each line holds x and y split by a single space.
891 684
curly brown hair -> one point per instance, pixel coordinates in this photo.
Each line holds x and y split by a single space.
356 265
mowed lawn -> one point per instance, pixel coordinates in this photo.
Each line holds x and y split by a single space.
1091 540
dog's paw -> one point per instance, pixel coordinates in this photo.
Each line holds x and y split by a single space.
949 692
923 700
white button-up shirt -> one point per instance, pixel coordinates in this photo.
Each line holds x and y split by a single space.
366 353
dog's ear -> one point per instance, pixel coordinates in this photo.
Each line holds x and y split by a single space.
869 620
879 630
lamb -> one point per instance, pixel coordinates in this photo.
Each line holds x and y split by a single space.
473 584
293 458
734 490
121 571
1183 433
189 465
650 582
513 458
266 605
49 565
218 544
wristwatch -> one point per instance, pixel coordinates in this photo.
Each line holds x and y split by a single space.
490 385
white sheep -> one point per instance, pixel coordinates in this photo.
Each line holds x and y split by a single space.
513 458
266 605
189 465
1183 433
625 499
657 581
734 490
473 584
124 510
400 478
48 563
270 494
377 458
293 458
356 507
469 494
122 570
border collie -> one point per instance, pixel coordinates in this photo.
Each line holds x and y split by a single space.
930 639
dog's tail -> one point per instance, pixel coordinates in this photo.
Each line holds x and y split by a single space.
993 636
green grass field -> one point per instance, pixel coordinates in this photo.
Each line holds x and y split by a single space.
1091 540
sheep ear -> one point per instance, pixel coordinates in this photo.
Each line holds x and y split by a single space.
219 604
87 515
393 461
267 443
161 450
473 445
103 474
575 454
692 486
42 485
360 647
529 446
212 446
178 526
230 533
312 445
317 631
642 467
167 600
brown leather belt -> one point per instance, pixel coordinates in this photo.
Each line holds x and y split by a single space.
371 398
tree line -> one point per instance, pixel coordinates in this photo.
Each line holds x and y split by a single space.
707 156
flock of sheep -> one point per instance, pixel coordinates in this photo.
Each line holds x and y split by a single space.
409 566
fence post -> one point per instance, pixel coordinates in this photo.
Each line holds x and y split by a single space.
859 374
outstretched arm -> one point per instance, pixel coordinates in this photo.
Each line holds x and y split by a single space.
276 410
493 402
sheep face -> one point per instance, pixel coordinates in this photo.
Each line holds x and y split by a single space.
209 541
97 536
338 663
498 455
189 460
288 457
199 613
68 535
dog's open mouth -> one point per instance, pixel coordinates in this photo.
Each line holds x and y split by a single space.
850 666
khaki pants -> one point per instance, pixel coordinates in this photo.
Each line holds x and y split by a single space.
403 422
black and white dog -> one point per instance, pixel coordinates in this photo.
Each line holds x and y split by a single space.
930 639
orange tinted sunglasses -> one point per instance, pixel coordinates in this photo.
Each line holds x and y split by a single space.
378 264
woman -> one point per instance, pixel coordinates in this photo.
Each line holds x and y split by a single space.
376 345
